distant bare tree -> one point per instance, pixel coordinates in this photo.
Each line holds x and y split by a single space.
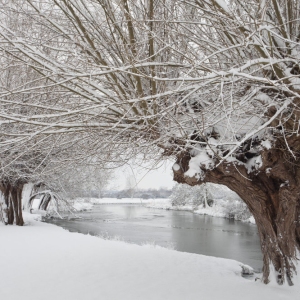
81 181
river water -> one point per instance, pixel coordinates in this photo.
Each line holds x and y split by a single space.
181 230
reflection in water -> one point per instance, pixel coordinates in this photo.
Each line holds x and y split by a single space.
186 231
217 237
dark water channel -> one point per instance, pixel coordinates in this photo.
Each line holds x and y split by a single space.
184 231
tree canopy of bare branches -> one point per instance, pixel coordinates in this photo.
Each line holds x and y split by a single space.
213 83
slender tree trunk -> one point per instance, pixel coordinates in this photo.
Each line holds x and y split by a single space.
205 196
13 203
272 194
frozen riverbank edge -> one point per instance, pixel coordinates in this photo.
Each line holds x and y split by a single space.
43 261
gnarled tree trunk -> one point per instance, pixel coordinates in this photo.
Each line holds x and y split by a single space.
272 194
12 202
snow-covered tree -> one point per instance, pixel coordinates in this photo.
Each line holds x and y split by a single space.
130 186
183 194
82 181
246 131
210 194
213 83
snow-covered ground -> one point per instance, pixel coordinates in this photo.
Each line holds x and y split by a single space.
82 205
217 211
41 261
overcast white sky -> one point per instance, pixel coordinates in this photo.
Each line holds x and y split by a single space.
145 179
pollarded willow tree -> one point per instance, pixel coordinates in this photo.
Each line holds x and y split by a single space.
247 137
41 122
85 82
213 83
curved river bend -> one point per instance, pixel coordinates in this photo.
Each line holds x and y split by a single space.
182 230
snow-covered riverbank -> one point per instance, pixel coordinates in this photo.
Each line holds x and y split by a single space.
82 204
42 261
216 210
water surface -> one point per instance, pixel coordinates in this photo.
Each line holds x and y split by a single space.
181 230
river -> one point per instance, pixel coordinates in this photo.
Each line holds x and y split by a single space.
181 230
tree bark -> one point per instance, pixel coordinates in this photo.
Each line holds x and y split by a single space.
13 203
272 194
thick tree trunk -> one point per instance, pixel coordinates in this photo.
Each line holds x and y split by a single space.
12 203
273 196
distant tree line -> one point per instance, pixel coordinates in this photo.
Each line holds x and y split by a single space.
139 193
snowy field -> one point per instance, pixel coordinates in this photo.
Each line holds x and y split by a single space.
41 261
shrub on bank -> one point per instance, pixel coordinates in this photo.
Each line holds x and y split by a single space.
210 197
